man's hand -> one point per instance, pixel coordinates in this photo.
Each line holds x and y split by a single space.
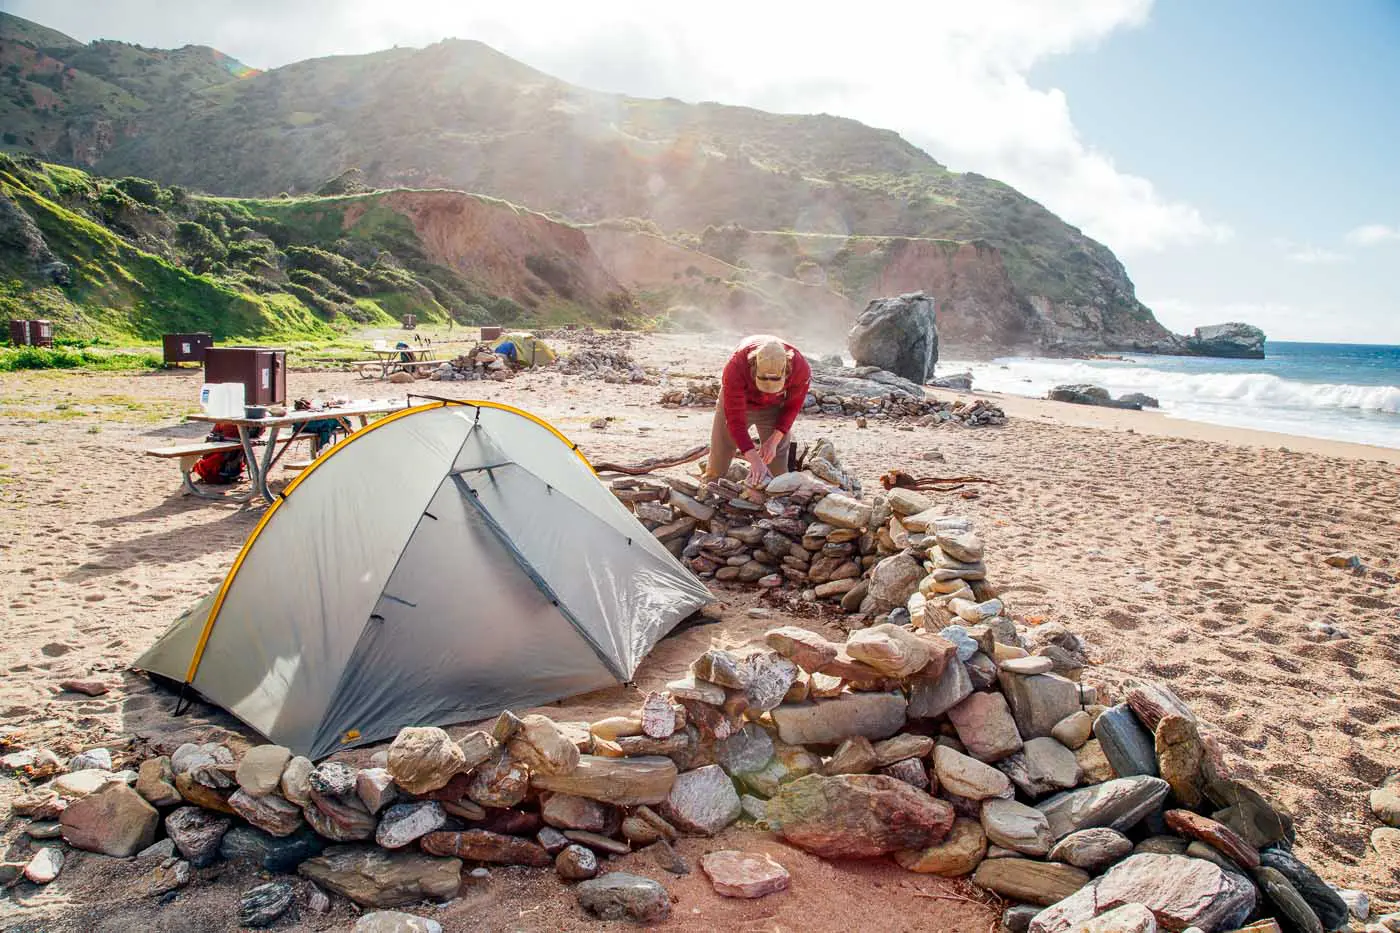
769 448
758 468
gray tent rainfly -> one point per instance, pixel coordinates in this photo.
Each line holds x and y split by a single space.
448 562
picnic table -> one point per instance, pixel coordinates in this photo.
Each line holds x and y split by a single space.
390 360
259 468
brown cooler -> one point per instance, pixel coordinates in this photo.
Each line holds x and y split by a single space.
185 348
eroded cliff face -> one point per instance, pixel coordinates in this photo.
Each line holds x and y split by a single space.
505 249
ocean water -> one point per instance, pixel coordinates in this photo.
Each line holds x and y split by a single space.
1345 392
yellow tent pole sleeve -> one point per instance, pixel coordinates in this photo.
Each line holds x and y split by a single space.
342 444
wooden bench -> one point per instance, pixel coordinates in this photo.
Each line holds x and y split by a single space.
190 454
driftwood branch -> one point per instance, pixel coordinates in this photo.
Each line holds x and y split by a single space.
655 463
901 480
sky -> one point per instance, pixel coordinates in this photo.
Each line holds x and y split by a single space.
1237 155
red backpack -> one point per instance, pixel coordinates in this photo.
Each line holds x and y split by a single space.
223 467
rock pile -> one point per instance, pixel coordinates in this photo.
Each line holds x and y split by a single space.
609 364
481 362
970 749
1085 394
883 405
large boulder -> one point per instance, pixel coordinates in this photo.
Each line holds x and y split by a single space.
898 335
374 878
113 820
858 815
1234 340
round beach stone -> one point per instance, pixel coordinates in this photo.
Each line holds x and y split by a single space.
576 863
744 874
1092 849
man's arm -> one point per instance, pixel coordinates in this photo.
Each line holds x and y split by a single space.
733 397
799 381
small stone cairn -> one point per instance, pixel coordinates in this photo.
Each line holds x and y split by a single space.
949 738
890 406
479 363
611 365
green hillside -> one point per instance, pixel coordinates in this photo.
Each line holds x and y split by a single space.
130 259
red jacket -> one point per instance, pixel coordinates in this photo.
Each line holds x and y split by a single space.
738 393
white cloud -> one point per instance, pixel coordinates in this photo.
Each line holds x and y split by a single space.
949 75
1373 235
1315 256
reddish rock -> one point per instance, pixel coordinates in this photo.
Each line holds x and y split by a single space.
598 842
576 863
1221 837
1150 702
658 716
565 811
271 813
807 650
113 820
479 845
340 819
857 815
624 782
92 688
744 874
502 781
510 822
203 796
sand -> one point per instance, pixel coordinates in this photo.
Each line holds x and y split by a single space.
1184 553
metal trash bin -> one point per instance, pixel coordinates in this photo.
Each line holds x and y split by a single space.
491 333
31 333
185 348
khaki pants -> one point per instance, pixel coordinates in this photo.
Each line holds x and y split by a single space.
723 448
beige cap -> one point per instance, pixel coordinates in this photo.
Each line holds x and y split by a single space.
770 363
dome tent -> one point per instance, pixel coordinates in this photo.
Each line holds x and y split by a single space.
445 563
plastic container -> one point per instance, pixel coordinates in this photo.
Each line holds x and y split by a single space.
221 399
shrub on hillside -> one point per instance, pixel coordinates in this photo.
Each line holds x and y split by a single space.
141 190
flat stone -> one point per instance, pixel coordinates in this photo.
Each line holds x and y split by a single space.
481 845
1039 701
44 829
372 877
392 921
1041 767
744 874
688 688
44 865
1074 730
842 511
405 823
1028 666
576 863
828 722
296 780
1160 845
623 782
155 782
201 795
1093 763
376 789
749 749
272 813
78 784
554 842
1326 903
967 777
261 906
902 747
930 697
985 727
260 771
857 815
1021 879
1017 918
1257 818
598 842
667 858
92 688
1129 747
339 819
963 643
1217 835
1016 826
963 546
703 801
1181 892
335 779
1289 903
1092 849
245 844
113 820
957 855
170 875
501 781
1118 804
891 650
807 650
